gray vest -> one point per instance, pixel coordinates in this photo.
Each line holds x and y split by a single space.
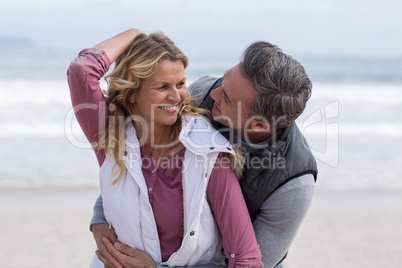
286 156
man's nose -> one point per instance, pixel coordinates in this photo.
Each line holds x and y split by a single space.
215 94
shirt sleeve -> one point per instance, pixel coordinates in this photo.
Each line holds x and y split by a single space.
200 87
87 99
231 215
281 216
99 215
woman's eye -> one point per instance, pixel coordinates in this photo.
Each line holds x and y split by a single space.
164 87
180 84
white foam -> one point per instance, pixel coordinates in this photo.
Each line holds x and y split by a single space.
37 92
345 129
345 125
358 93
40 130
40 92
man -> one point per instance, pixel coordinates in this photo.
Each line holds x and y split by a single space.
254 105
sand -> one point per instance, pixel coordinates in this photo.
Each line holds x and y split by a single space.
50 228
46 228
361 230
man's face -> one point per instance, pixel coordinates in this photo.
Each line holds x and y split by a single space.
232 100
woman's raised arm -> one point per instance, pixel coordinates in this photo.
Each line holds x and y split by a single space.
83 77
116 45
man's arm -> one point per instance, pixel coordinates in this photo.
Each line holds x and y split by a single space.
281 216
100 229
98 216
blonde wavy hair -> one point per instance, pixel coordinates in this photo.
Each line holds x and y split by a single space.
136 63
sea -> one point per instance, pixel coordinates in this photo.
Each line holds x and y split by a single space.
352 121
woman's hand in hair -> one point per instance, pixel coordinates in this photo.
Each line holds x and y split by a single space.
116 45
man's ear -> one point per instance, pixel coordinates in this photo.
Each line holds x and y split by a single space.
259 126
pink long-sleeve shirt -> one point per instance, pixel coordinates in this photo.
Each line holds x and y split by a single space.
165 184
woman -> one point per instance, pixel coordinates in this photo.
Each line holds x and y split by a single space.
165 173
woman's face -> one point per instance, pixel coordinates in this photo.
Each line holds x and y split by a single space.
161 95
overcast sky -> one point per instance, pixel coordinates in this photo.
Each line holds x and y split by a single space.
298 26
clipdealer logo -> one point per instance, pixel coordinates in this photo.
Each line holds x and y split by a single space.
325 121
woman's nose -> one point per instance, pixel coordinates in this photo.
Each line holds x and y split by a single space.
174 95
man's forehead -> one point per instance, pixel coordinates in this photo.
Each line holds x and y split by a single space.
232 73
227 78
237 87
228 72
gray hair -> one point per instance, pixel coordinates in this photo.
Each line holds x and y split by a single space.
280 81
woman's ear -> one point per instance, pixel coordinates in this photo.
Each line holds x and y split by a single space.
132 98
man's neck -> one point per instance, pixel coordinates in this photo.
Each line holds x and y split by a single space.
257 137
